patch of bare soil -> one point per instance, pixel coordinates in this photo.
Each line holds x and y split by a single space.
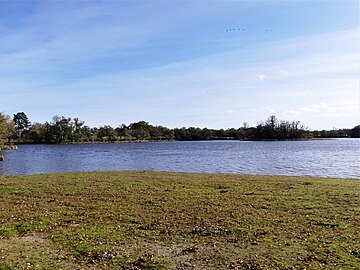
34 252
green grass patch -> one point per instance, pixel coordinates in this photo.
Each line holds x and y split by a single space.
4 190
149 220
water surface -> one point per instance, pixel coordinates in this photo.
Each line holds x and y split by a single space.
327 158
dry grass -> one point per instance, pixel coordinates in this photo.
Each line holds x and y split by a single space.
147 220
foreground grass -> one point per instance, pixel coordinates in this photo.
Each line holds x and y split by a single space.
146 220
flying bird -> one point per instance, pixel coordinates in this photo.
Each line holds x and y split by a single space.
243 29
235 29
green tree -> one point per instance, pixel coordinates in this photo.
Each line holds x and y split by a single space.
2 128
87 134
140 130
106 134
355 132
59 130
181 134
21 123
206 134
273 129
166 133
7 128
37 133
123 132
77 130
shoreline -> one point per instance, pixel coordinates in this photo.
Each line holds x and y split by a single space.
189 173
8 147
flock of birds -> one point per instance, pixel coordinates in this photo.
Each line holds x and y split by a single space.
243 30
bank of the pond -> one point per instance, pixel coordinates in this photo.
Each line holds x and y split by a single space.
8 147
148 220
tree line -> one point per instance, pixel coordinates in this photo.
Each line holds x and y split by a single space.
67 130
338 133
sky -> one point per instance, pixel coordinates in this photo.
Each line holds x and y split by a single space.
212 64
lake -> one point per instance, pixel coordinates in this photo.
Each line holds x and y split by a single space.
326 158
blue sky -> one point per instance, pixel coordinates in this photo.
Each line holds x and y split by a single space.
210 64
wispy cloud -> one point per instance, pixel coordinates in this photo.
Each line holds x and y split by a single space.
339 109
230 111
261 77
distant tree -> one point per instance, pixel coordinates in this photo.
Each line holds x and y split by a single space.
168 134
334 133
274 129
64 130
181 134
106 134
21 123
155 133
3 133
220 134
123 132
355 132
59 130
77 131
232 134
7 128
140 130
87 134
195 133
37 133
206 134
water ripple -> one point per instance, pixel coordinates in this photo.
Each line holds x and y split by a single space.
333 158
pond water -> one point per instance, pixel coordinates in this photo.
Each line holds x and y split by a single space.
327 158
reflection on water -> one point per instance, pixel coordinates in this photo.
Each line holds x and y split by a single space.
331 158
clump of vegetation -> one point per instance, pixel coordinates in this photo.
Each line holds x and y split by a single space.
67 130
6 129
148 220
274 129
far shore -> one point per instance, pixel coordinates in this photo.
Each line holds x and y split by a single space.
12 146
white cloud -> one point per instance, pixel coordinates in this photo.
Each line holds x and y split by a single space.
322 105
292 113
261 77
309 109
346 108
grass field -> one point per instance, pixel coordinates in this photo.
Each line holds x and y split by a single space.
148 220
